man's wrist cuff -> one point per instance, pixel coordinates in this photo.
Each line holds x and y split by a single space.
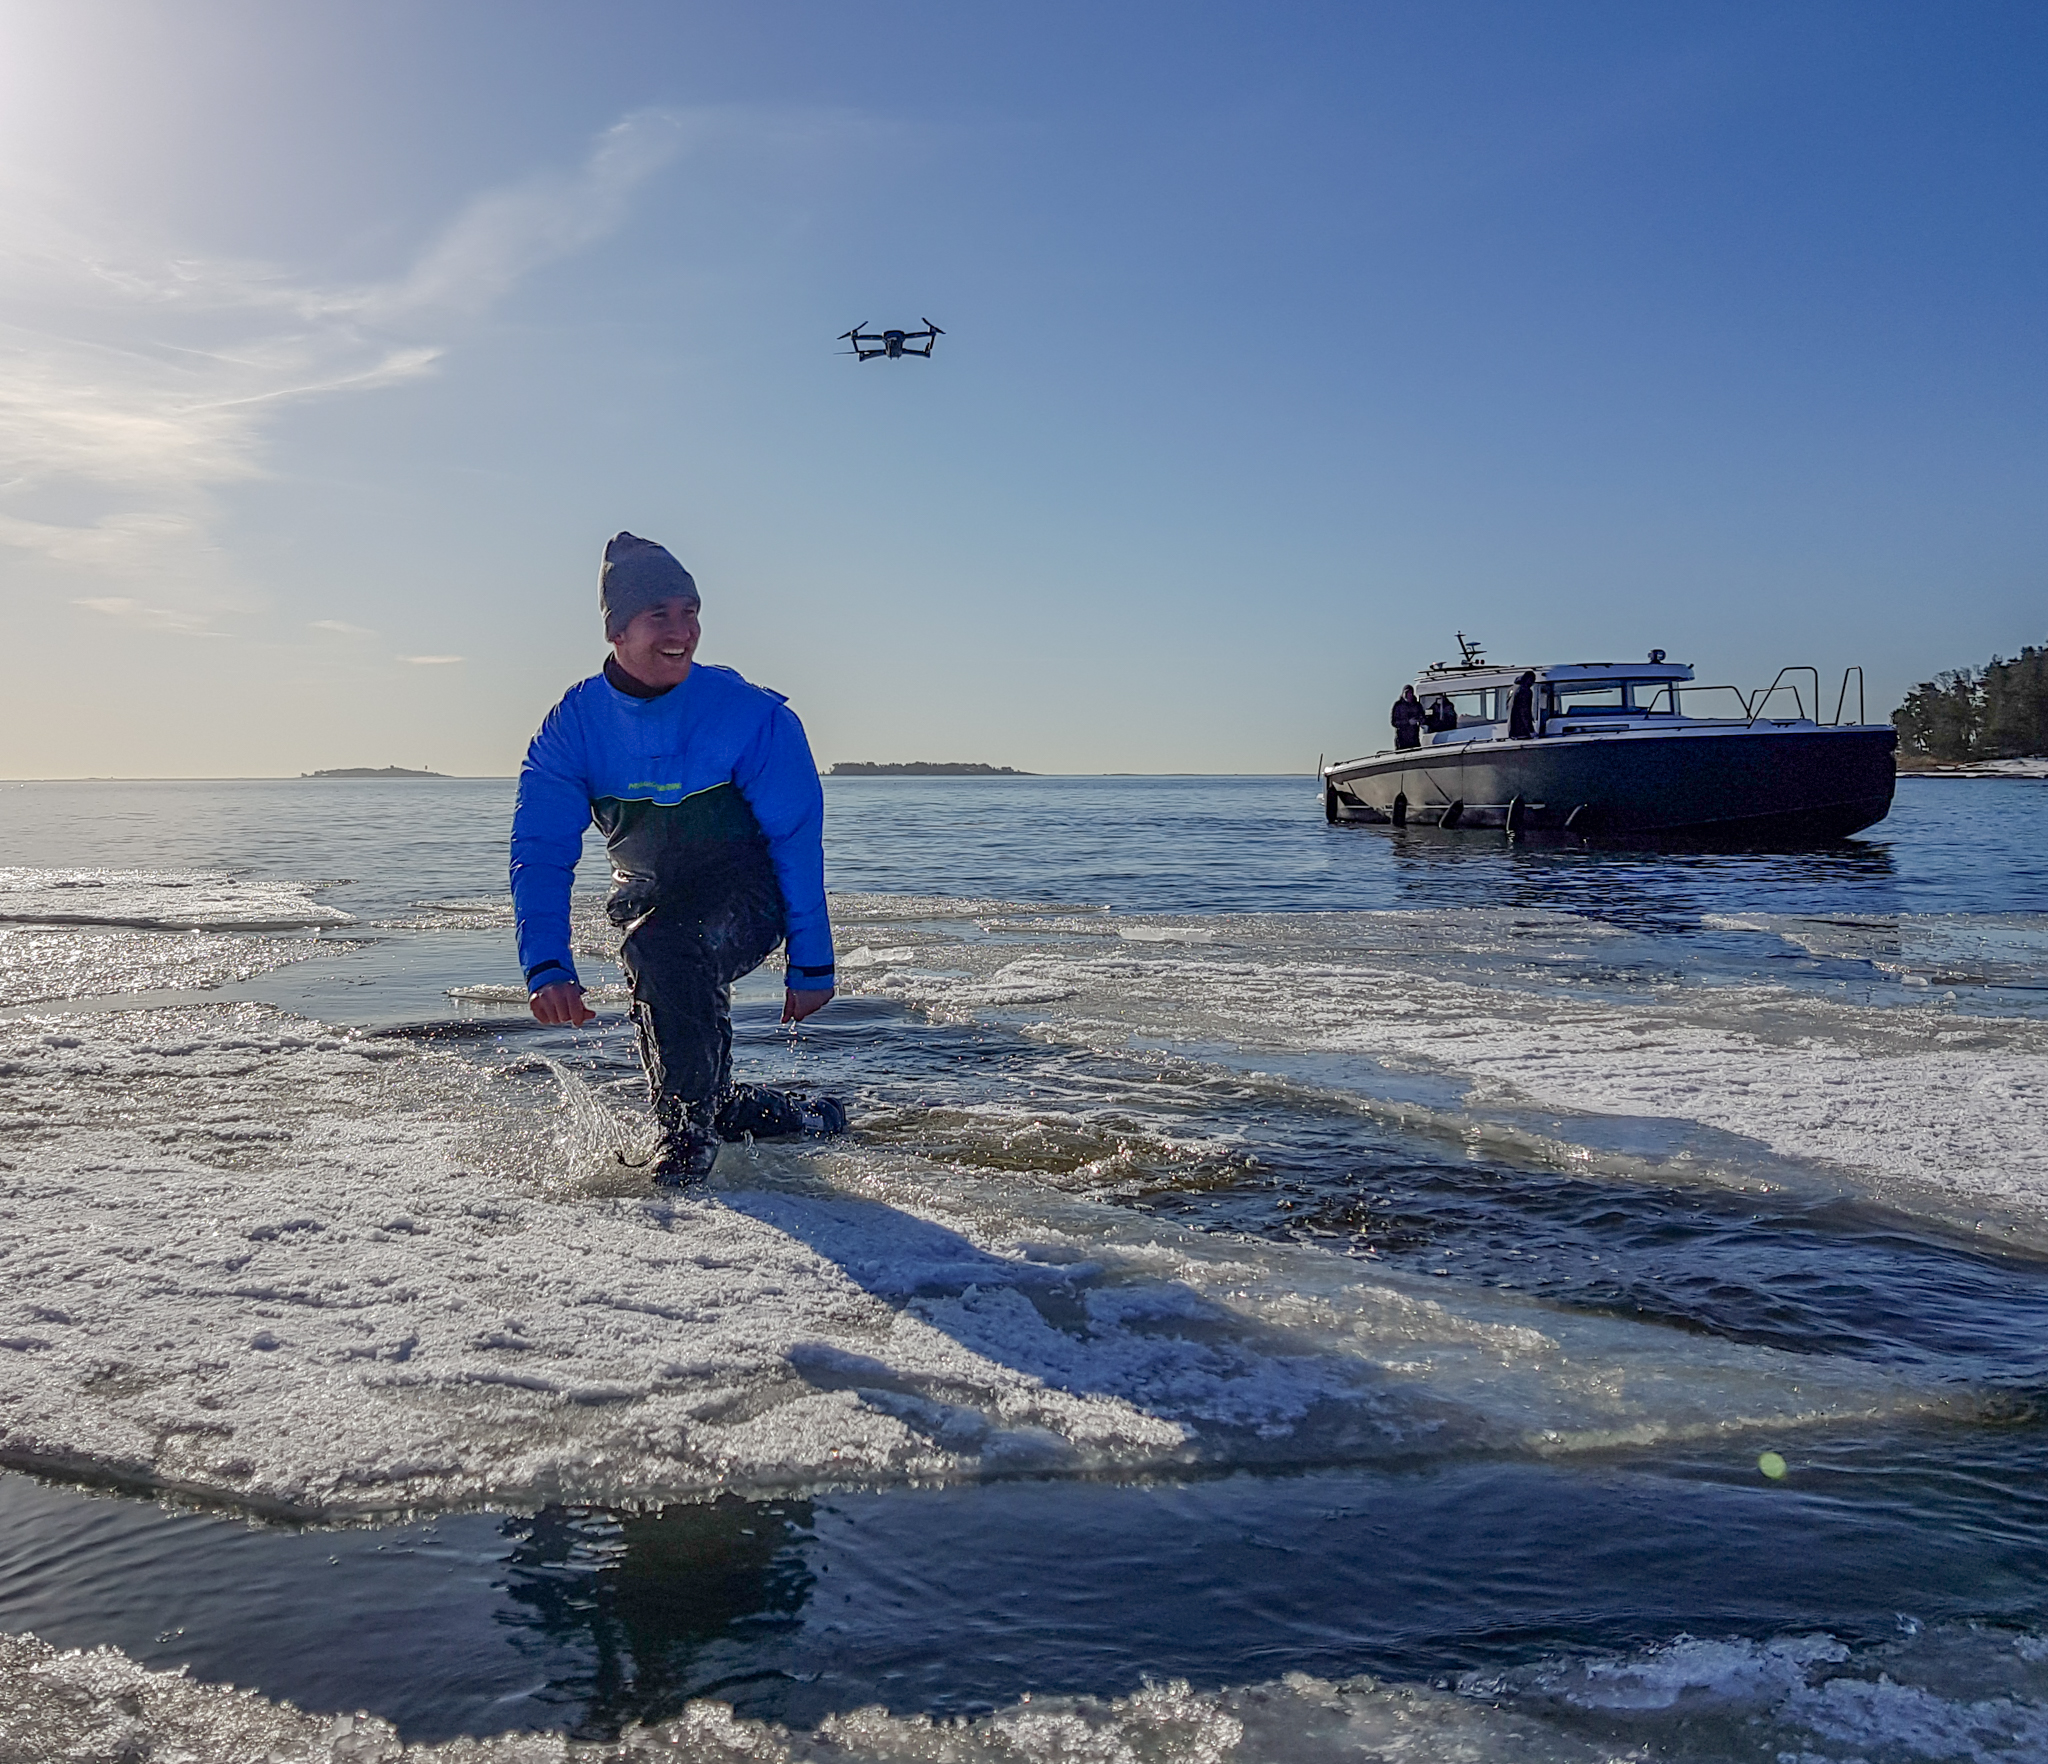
549 974
810 979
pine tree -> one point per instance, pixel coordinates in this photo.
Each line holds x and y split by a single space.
1997 712
1941 716
2015 699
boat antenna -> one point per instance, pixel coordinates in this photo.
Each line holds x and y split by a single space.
1474 655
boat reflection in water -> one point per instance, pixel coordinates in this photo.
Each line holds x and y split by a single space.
1649 884
1616 749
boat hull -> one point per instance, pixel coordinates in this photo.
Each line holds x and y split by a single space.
1740 782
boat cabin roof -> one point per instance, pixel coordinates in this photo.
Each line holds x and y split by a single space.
1439 678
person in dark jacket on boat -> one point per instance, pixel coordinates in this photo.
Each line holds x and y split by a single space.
705 790
1441 716
1522 708
1407 720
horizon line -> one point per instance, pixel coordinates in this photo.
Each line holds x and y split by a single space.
512 777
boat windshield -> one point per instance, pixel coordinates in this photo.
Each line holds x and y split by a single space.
1609 698
1472 707
1614 698
1658 697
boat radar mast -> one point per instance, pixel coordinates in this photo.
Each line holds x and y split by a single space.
1475 657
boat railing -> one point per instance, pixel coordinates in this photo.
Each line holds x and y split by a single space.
1780 684
1741 697
1754 705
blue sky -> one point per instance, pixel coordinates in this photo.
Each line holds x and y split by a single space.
1283 340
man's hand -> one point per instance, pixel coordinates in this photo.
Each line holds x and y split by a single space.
796 1006
563 1003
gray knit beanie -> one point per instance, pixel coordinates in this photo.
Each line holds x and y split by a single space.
638 574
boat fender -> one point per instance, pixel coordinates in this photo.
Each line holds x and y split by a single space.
1330 803
1454 814
1400 808
1514 821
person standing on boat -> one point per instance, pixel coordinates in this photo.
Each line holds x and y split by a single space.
705 790
1442 715
1522 707
1407 720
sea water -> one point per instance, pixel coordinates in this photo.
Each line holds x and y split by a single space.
1291 1292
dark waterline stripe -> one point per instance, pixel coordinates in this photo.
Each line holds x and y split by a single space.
960 1601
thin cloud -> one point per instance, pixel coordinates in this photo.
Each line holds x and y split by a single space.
139 386
342 626
431 661
135 612
400 365
509 233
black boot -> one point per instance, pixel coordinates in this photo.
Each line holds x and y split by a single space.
776 1114
686 1145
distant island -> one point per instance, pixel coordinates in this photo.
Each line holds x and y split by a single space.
922 769
372 772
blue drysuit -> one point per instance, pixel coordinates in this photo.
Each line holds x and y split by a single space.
713 818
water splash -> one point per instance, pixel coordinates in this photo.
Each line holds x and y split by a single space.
596 1148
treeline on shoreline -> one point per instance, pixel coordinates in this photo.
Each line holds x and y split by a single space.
1999 711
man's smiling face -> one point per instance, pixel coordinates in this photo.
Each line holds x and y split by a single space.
656 645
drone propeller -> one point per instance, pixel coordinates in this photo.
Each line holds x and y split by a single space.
847 336
934 329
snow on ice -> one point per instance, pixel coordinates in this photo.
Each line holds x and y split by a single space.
308 1272
169 900
1954 1693
41 964
1925 1107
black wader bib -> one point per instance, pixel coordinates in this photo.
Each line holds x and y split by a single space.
700 907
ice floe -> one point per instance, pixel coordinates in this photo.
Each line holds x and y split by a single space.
1979 1696
1925 1106
517 995
307 1272
859 908
42 963
863 957
1932 949
173 900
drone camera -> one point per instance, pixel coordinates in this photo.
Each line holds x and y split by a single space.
893 344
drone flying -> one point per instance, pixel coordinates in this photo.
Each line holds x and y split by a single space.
890 343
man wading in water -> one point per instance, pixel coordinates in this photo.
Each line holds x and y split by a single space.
708 799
